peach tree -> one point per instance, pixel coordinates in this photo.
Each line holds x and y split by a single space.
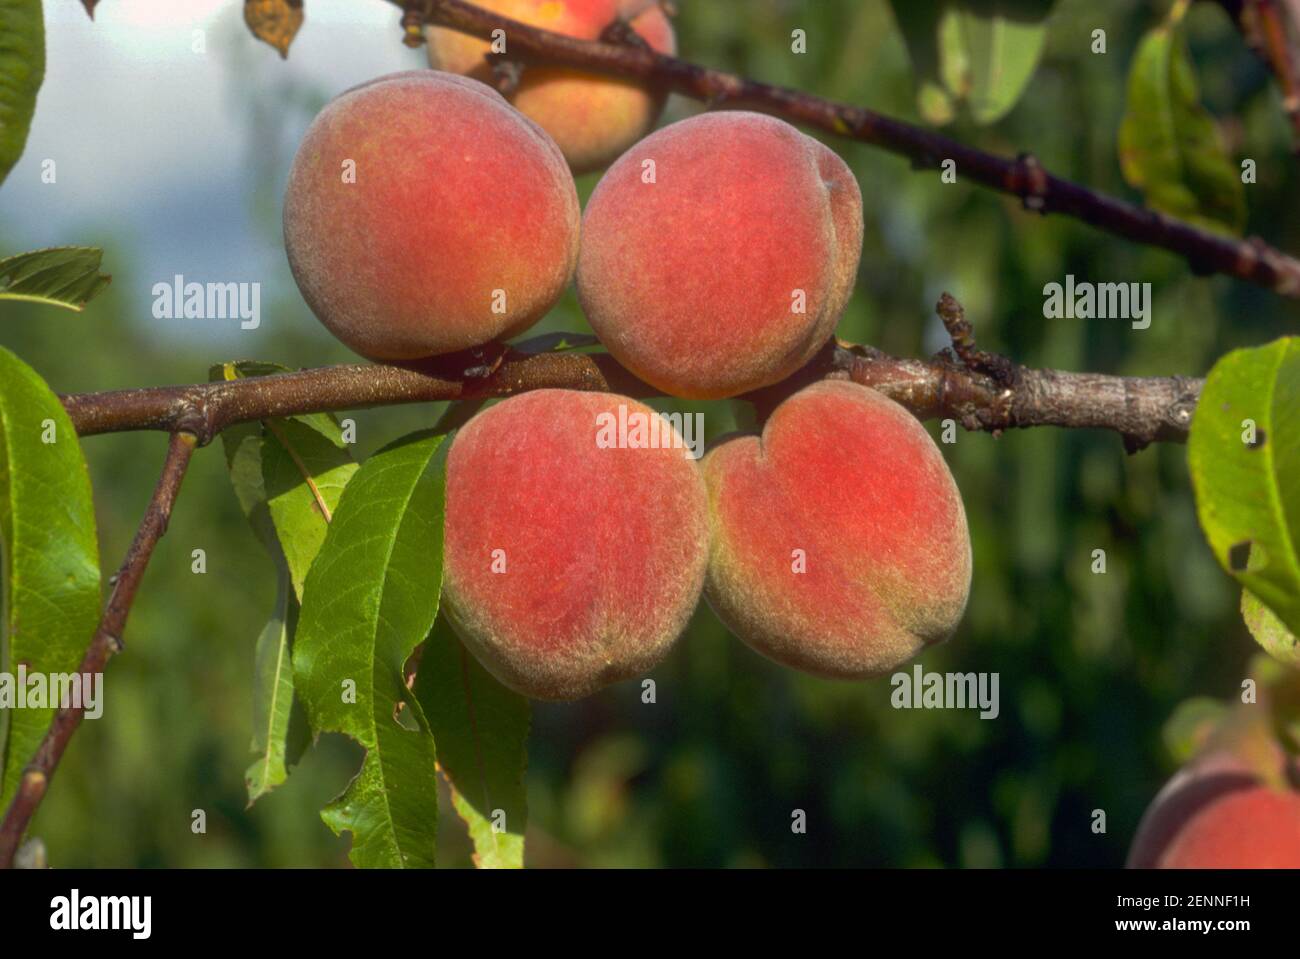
558 540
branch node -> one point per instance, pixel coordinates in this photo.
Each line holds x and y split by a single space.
621 33
1030 183
1000 369
413 15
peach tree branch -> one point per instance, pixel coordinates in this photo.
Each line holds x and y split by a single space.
981 391
106 641
1023 177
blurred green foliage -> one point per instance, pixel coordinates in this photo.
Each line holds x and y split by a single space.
1090 665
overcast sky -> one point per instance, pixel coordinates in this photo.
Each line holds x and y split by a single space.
160 145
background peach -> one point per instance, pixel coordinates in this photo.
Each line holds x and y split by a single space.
592 118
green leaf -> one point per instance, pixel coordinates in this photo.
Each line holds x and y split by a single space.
370 598
1168 145
22 68
278 740
990 52
288 475
305 470
51 595
482 733
1248 494
66 276
557 343
1275 638
980 53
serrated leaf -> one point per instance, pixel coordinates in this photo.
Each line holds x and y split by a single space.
1278 641
278 741
305 472
980 53
1248 495
370 598
51 595
1168 145
482 733
66 276
22 69
282 472
274 21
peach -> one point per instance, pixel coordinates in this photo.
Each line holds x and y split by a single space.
840 544
570 564
719 252
424 215
1217 815
592 118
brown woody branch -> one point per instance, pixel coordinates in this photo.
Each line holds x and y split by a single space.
979 390
1023 177
106 641
1272 28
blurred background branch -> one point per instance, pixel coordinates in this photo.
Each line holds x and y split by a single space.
1023 176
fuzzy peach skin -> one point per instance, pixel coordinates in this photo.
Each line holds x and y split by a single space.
690 280
604 549
852 480
1217 815
456 196
592 118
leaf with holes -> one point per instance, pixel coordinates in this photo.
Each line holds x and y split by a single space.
51 599
482 733
1244 455
369 600
66 276
1168 146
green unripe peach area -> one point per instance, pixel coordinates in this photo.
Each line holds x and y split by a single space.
851 479
719 252
604 550
593 119
461 226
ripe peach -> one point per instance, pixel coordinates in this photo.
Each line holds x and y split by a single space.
592 118
840 544
423 215
719 252
1218 816
569 565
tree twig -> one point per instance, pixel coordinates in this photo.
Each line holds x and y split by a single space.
1272 29
992 395
106 641
1023 176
